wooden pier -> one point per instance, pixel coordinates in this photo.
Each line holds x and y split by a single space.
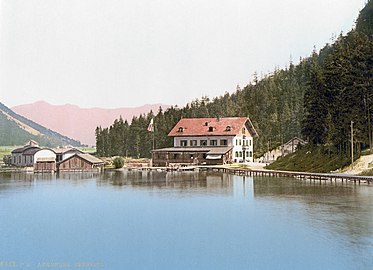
301 175
271 173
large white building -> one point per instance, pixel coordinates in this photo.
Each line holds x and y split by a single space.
209 141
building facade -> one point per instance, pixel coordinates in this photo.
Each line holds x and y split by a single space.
287 148
45 161
63 153
80 163
208 141
24 156
53 159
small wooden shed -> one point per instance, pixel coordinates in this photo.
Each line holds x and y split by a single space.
80 163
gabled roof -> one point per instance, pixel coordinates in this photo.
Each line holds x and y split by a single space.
87 157
26 150
90 158
65 150
230 126
302 142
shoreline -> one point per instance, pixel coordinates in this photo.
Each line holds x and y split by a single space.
237 169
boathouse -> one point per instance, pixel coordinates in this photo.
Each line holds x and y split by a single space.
45 161
24 156
80 163
210 141
45 165
63 153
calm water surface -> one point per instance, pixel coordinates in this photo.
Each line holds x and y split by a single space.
141 220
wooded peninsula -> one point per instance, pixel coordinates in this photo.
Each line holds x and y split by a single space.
316 99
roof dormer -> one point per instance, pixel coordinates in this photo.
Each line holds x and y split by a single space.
181 129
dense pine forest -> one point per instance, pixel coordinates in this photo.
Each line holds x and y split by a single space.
316 99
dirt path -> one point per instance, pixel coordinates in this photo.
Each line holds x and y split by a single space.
360 165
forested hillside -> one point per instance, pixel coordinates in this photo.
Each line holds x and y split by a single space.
315 99
340 91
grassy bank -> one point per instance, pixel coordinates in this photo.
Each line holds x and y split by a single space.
311 159
6 150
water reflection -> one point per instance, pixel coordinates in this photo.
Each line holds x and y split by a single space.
182 183
15 181
136 218
287 187
339 208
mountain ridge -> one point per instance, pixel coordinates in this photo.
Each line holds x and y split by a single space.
16 129
78 122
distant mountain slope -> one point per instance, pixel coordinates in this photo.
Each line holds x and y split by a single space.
16 130
76 122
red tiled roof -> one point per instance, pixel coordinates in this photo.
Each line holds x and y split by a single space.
230 126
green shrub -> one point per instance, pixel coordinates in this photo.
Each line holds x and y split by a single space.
118 162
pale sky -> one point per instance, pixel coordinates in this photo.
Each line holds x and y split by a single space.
126 53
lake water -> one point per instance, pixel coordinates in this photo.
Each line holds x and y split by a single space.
142 220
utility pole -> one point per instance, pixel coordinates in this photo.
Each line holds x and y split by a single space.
153 140
352 144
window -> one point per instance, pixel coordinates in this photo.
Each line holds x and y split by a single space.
183 143
247 154
206 124
223 142
243 130
240 153
181 129
236 154
193 142
176 156
250 142
203 142
250 154
213 142
228 128
211 129
239 142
